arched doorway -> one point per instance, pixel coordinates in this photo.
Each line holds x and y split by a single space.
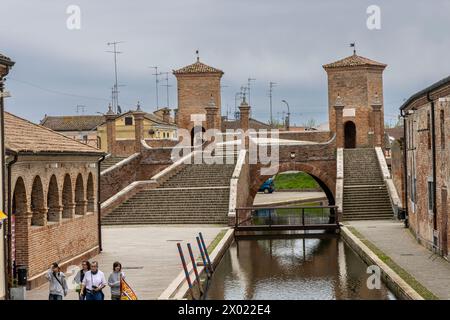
19 224
197 135
350 134
54 207
80 201
67 198
37 203
90 194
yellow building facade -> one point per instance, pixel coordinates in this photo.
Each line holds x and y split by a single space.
154 129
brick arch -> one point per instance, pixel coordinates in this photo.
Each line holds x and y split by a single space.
19 198
53 200
80 196
38 207
323 178
67 197
90 193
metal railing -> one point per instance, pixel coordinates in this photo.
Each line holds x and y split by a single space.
279 216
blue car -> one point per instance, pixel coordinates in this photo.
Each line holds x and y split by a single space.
268 186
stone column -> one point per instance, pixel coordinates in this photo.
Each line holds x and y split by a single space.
39 217
211 113
377 122
55 213
244 110
69 210
81 207
339 110
110 129
138 128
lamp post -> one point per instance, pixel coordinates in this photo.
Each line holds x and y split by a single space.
5 65
288 115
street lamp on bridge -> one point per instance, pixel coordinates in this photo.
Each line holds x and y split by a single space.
288 115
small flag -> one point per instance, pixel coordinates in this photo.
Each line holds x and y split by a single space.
352 45
3 216
126 292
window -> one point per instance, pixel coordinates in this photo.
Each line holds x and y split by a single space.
442 119
430 196
128 121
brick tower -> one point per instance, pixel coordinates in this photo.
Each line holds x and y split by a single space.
355 101
197 84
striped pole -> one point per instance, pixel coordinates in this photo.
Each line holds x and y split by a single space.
206 251
203 257
194 265
186 272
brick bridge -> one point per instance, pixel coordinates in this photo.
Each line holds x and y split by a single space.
154 190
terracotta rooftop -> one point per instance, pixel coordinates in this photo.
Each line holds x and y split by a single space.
72 123
354 61
197 67
24 136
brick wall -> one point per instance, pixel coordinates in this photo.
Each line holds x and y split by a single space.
61 243
357 88
419 165
397 169
194 94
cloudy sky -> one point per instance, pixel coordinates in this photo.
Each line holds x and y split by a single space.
284 41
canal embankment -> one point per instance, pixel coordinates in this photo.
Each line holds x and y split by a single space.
426 272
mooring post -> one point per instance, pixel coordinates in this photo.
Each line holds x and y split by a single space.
206 252
194 265
303 216
203 257
186 272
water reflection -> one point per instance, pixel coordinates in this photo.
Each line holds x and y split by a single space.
323 268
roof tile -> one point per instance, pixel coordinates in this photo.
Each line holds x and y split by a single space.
24 136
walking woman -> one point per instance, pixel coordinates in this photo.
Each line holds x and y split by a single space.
58 285
114 280
85 267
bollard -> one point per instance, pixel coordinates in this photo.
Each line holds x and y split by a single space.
194 265
186 272
203 257
206 252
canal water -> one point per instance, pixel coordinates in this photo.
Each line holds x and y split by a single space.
295 269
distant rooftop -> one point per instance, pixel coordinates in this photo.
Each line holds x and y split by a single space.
24 136
73 123
354 61
197 67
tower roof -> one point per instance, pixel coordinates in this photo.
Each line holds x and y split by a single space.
197 67
354 61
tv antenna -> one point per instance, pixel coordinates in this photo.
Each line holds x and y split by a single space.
81 108
249 80
115 100
271 86
167 86
156 74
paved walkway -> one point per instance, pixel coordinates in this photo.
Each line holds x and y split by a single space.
399 244
282 197
148 254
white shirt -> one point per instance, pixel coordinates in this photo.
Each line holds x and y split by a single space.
91 279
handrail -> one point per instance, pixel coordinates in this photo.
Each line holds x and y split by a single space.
286 207
333 214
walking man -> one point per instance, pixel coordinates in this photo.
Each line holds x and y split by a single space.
58 284
93 283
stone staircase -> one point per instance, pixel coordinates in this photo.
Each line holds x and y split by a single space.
197 194
110 161
365 194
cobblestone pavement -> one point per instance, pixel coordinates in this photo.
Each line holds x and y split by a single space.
398 243
148 254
